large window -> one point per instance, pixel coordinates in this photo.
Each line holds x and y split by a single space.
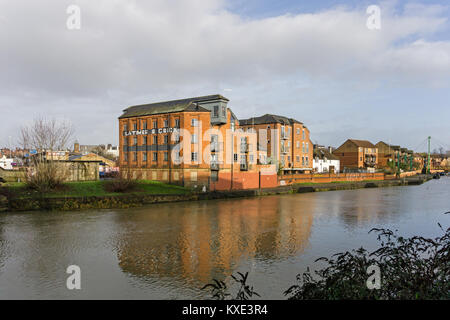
144 156
155 124
155 139
166 156
155 156
166 123
166 139
194 156
194 122
216 111
177 123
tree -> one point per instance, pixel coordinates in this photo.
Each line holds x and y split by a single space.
46 136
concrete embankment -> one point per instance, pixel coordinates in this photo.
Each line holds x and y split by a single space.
134 200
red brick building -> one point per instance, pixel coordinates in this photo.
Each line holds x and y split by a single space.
357 155
191 142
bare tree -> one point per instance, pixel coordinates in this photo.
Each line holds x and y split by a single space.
46 136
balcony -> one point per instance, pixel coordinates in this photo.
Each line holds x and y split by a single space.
216 147
245 147
244 166
215 166
284 135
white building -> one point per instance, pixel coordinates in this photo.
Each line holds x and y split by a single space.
324 161
113 150
6 163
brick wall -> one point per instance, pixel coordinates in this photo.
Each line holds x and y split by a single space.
327 178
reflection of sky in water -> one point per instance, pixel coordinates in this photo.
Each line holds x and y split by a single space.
168 251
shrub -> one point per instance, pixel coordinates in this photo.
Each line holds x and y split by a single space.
46 176
124 182
411 268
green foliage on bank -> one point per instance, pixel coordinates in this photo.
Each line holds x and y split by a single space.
89 189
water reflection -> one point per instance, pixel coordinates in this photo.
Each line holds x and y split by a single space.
198 241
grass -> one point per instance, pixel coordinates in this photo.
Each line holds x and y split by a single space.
94 189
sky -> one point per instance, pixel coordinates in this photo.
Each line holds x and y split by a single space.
315 61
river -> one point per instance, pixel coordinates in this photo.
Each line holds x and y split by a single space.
169 251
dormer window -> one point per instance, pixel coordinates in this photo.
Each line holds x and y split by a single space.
216 112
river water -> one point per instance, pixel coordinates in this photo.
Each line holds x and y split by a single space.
169 251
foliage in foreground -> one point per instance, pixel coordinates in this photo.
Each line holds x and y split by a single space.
411 268
219 290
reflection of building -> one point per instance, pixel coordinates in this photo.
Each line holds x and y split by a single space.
357 154
197 241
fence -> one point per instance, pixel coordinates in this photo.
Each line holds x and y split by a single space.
329 177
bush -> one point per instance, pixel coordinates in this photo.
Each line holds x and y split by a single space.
46 176
124 182
411 268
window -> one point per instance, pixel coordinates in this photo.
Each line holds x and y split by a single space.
194 157
251 158
303 161
144 156
166 139
303 147
135 141
125 157
194 122
155 139
298 130
298 144
166 123
135 126
243 159
125 127
303 136
134 156
216 111
307 161
166 156
289 158
176 137
298 158
177 123
224 112
125 141
194 138
307 147
235 157
155 124
144 141
144 125
155 156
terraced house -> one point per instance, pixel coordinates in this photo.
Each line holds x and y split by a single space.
357 155
194 141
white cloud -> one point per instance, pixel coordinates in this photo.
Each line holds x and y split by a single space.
130 50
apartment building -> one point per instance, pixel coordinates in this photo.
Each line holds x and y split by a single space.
193 141
282 141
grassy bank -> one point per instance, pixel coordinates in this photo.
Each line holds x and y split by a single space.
92 189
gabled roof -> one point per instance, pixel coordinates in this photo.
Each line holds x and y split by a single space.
324 153
388 145
362 143
267 119
189 104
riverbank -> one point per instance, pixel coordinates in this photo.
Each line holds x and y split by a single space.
92 196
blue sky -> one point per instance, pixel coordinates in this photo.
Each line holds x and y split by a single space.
315 61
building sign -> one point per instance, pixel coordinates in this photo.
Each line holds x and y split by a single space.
150 131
